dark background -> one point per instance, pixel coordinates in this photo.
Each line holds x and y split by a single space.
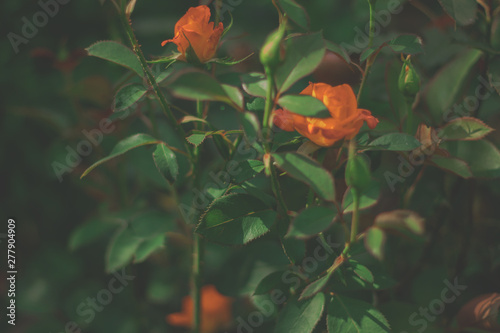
50 92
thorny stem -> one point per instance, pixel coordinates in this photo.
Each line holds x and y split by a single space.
150 77
197 241
197 244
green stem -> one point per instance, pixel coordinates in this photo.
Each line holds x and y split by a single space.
269 105
277 193
410 126
355 215
372 57
372 26
355 201
150 77
269 100
355 197
196 282
196 150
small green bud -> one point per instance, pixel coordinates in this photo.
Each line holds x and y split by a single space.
409 81
272 53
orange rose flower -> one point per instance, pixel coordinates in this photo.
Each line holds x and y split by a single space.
195 29
215 311
345 121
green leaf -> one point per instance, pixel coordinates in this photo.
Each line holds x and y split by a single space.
144 235
465 128
234 95
338 50
401 220
375 241
308 171
189 119
247 170
122 147
462 11
311 221
148 247
315 287
452 164
300 317
197 138
368 198
271 282
166 162
304 53
236 219
254 84
482 156
357 173
369 51
198 85
121 249
128 96
362 271
258 104
117 53
407 44
251 126
352 282
89 232
349 315
394 141
445 88
304 105
295 12
294 249
494 65
151 223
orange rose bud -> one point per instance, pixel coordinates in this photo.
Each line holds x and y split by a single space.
345 121
216 311
194 32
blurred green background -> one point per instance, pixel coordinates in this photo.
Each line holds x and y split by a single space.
51 94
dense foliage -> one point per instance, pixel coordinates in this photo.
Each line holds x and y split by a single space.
253 166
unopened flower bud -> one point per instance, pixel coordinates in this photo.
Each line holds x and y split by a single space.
409 81
272 53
